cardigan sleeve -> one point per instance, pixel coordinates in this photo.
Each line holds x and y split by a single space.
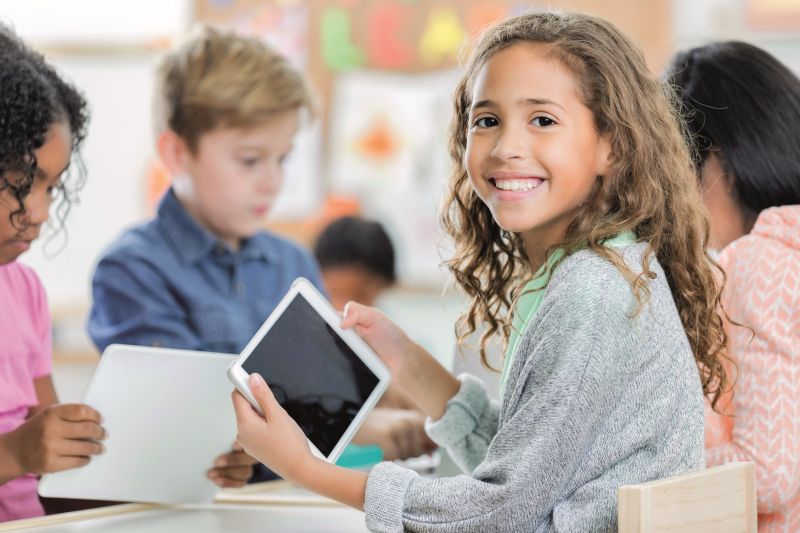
468 424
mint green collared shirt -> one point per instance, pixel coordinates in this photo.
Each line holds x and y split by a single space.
528 302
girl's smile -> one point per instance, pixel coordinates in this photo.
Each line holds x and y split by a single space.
513 186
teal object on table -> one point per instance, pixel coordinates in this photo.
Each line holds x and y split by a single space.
355 456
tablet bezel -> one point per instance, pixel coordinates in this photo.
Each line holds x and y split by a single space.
301 287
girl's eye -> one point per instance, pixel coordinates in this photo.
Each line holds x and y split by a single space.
249 162
486 122
543 122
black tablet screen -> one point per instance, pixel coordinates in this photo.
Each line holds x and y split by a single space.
313 374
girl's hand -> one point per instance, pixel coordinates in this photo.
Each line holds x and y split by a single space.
417 372
387 339
233 469
275 440
60 437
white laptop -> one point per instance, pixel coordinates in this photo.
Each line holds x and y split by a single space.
168 414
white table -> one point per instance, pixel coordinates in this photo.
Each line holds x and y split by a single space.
275 506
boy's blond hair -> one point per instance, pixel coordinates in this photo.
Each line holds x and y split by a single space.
217 78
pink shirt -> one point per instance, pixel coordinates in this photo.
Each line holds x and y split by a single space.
24 356
763 292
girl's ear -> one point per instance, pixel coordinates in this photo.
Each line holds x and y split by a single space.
605 155
173 152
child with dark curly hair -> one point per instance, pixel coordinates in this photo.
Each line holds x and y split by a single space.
42 125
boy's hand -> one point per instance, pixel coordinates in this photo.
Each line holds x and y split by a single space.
400 433
232 469
275 440
60 437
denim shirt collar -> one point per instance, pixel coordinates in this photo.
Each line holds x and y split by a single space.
192 242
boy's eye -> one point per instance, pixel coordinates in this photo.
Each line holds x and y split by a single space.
543 121
249 161
486 122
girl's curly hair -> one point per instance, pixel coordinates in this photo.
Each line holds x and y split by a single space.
32 98
650 189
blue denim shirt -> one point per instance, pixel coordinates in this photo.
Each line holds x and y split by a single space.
171 283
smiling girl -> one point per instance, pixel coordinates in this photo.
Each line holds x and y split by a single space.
580 235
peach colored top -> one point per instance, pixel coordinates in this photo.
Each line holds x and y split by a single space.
763 292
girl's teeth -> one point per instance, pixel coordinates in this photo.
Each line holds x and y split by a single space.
516 185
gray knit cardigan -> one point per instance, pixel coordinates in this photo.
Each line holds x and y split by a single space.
594 399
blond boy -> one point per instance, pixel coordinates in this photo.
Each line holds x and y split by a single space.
203 274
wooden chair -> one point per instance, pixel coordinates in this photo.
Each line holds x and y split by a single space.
717 500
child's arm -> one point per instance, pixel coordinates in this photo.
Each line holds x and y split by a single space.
281 445
414 370
59 437
45 394
23 450
471 424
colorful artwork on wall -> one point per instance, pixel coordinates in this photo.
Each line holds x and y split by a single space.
388 149
283 24
396 35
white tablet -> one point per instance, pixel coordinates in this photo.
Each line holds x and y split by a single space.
168 414
326 378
